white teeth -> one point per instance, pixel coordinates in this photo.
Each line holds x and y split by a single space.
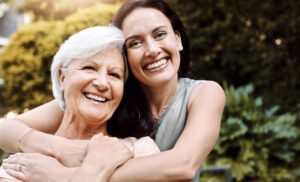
95 97
156 64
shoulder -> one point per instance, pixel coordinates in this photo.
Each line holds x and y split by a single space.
207 92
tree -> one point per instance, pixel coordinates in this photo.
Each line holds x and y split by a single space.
247 42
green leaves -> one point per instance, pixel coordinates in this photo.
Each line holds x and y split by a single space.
256 142
247 42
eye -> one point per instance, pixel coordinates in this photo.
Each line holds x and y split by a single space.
135 43
89 68
160 35
116 75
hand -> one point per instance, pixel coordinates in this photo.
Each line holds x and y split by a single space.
104 155
35 167
71 152
108 151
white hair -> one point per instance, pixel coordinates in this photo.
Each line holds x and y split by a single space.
84 44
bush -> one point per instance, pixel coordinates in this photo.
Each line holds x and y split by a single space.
25 62
257 143
247 42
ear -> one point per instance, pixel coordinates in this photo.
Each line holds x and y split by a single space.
178 40
61 76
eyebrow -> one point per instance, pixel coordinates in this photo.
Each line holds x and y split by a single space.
154 30
117 68
93 62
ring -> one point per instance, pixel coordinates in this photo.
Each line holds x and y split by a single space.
20 167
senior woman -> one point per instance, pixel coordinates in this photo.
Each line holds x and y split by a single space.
88 74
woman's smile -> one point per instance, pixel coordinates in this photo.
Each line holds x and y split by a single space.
156 65
152 48
93 87
95 97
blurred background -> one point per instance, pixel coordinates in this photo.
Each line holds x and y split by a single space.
252 48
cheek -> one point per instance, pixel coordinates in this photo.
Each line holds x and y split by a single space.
134 56
117 89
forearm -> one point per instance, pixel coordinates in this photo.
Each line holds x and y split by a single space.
178 164
43 143
89 171
10 133
16 136
165 166
45 118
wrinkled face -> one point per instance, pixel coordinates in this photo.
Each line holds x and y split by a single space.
152 46
93 87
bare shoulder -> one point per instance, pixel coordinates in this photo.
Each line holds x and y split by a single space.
208 92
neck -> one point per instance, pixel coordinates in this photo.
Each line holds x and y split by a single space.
73 127
160 97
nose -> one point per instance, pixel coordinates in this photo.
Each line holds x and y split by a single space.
101 82
153 48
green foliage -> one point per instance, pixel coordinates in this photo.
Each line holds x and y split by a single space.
3 155
56 9
25 62
256 143
247 42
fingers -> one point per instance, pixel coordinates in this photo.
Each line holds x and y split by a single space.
17 160
24 156
15 170
14 166
21 158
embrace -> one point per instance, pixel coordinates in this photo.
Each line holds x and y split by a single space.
106 110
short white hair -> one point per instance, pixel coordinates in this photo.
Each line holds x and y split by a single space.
84 44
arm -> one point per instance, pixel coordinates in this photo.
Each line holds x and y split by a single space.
181 163
95 168
16 134
45 118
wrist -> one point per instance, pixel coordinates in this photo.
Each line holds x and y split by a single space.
38 142
22 142
56 145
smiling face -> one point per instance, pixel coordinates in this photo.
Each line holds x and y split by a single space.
93 87
152 46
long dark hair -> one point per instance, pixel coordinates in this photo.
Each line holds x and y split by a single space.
134 117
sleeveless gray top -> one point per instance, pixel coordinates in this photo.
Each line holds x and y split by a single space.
172 122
